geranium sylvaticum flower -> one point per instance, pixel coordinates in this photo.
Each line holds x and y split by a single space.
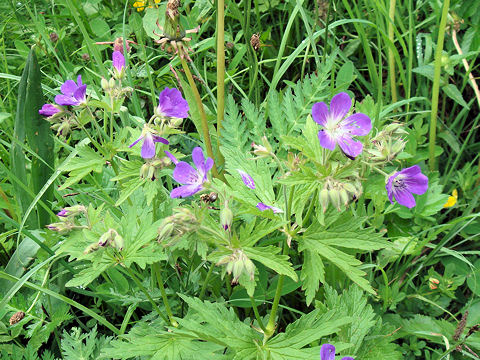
118 61
172 104
149 139
403 184
72 93
49 110
193 179
247 179
327 352
262 207
340 130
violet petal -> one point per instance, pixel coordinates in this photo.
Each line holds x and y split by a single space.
148 147
404 197
68 87
340 105
327 352
118 60
247 179
358 124
48 110
185 190
350 147
171 157
157 138
172 104
320 113
136 141
326 141
184 173
65 100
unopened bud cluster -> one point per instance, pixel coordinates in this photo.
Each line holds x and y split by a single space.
339 193
152 167
263 151
175 226
111 238
237 264
387 144
67 219
114 88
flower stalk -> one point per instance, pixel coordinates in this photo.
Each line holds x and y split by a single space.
436 85
203 116
168 309
142 288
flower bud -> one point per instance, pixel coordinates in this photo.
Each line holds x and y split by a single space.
343 196
107 238
118 242
323 197
105 85
111 83
226 217
334 197
91 248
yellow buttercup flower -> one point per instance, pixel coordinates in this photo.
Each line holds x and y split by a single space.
141 4
452 200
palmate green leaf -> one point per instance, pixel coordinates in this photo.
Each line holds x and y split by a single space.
234 132
292 344
82 346
86 162
342 232
313 273
352 303
269 257
369 337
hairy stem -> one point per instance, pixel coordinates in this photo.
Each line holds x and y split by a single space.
436 84
142 288
220 64
158 273
391 58
203 116
205 283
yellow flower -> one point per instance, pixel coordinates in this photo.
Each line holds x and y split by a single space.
452 200
141 4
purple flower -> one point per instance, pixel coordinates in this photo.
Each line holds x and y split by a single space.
193 179
336 129
172 104
72 93
118 61
327 352
49 110
62 213
403 184
247 179
262 207
149 140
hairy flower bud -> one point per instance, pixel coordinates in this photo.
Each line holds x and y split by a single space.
237 264
105 85
107 238
91 248
387 144
226 217
118 242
